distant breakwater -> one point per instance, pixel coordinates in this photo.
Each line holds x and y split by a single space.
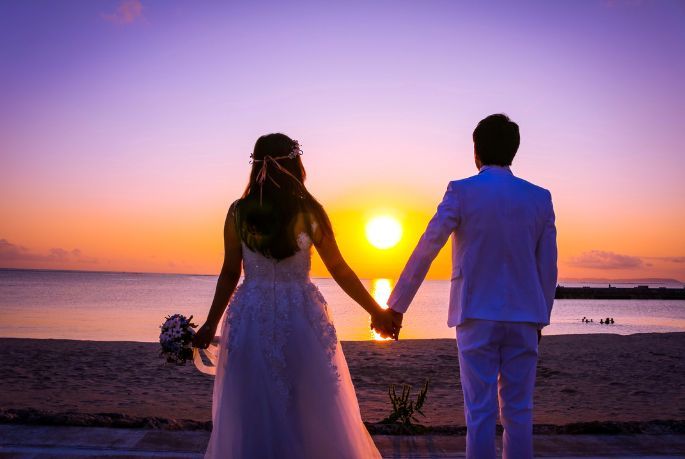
641 292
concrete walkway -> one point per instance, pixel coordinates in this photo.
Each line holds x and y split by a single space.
42 442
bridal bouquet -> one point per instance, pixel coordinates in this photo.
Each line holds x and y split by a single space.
175 339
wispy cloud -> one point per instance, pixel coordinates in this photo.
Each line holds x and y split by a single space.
127 12
669 259
599 259
10 252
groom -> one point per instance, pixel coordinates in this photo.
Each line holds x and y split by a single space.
504 275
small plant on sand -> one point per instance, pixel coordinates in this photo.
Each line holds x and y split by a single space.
404 410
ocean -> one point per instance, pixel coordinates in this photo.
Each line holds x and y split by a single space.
131 306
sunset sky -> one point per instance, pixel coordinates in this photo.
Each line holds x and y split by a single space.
126 126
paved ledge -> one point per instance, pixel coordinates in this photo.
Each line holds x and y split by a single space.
61 442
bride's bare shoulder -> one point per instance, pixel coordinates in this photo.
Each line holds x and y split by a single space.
306 223
231 223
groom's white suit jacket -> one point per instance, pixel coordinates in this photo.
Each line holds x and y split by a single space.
504 252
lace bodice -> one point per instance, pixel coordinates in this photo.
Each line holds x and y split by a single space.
260 269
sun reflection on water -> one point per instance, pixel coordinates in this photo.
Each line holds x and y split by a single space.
380 290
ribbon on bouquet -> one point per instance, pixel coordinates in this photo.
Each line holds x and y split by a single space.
211 355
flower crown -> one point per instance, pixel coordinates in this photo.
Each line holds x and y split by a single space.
295 151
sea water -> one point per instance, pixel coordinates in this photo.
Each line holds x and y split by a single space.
131 306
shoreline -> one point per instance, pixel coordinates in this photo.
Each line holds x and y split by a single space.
343 342
113 420
585 383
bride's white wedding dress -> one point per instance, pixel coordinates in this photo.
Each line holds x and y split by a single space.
282 387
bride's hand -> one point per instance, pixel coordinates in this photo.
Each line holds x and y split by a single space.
204 336
387 323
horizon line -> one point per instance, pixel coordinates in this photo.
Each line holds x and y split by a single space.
632 280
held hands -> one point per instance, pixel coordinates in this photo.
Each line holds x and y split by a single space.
204 336
387 323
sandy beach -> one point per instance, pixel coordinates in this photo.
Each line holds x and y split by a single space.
581 378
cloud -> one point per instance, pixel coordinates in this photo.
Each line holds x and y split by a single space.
10 252
674 259
599 259
669 259
128 12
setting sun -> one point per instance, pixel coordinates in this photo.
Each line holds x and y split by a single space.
383 232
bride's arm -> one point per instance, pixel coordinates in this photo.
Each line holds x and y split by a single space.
346 278
228 279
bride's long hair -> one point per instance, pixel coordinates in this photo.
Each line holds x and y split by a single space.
274 198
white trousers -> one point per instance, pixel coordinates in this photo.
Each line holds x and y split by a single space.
498 360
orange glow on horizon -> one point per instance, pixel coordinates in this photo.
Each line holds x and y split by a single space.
187 238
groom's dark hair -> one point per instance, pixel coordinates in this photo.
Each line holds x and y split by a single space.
496 140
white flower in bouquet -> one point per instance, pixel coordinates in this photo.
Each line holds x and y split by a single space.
175 338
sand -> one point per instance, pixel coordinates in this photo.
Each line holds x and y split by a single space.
581 378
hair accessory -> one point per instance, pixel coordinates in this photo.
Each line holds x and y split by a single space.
296 150
262 175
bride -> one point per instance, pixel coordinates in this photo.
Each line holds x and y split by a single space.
282 386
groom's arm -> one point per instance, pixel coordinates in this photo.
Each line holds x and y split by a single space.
443 223
546 256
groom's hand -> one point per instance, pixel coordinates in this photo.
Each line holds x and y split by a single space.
396 323
387 323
